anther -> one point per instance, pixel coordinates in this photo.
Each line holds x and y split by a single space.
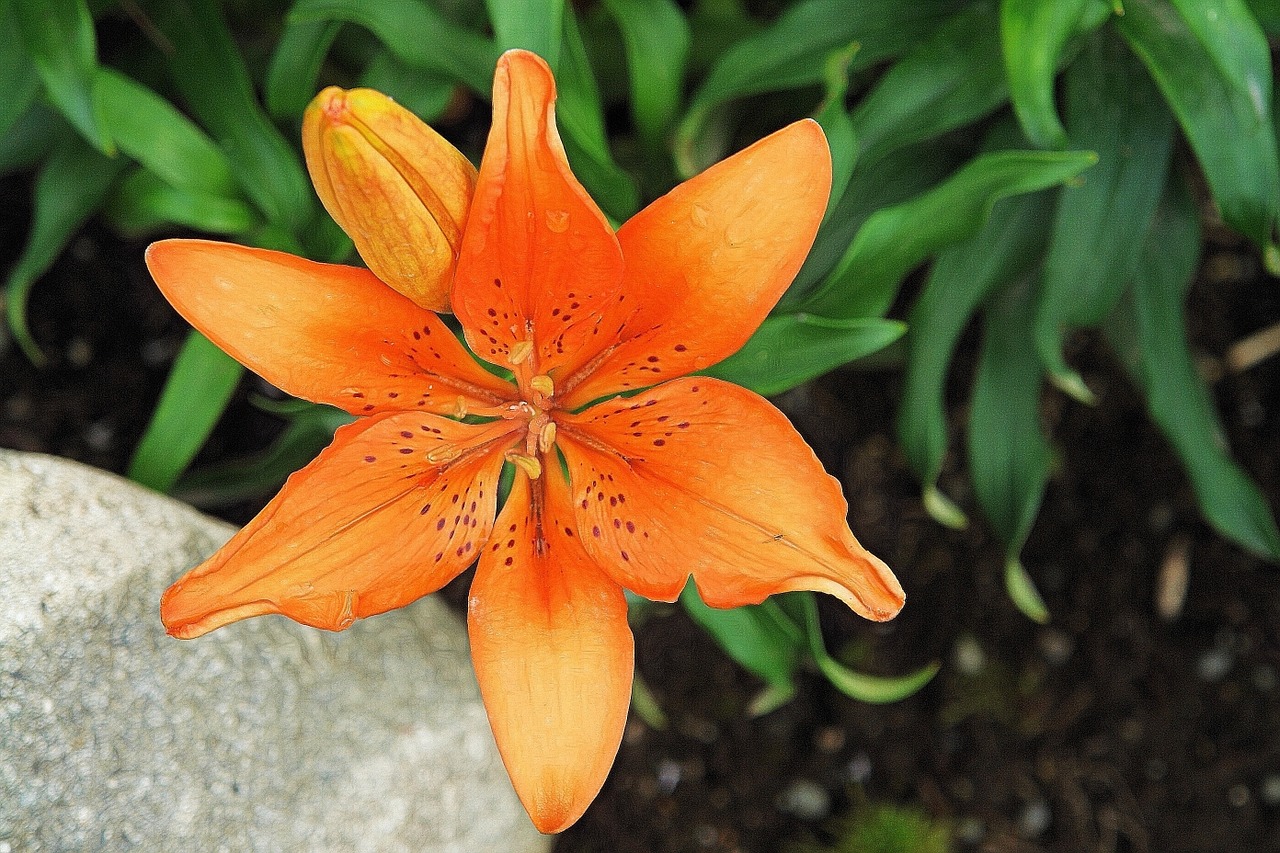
547 436
529 464
460 407
543 385
520 351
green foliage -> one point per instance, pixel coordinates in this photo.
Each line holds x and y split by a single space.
887 828
1029 165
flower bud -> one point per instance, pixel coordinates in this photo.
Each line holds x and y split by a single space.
399 190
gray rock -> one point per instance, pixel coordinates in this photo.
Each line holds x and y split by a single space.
262 736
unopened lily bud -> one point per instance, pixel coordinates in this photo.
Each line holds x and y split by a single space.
399 190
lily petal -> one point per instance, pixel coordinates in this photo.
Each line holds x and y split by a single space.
327 333
399 190
707 262
540 268
372 524
700 477
553 655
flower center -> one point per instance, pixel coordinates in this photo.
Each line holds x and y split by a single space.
540 427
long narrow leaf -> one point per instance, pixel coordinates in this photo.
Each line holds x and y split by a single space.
1114 109
896 239
1033 35
581 116
1008 453
1176 396
950 79
961 278
18 78
758 639
69 188
194 397
1212 63
875 689
295 66
790 349
531 24
656 36
416 33
143 203
790 53
268 169
58 36
150 130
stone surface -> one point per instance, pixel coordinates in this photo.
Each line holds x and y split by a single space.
264 735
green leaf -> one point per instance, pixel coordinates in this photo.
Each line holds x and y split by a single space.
836 124
1022 591
1212 63
895 240
1267 13
760 638
531 24
903 174
422 91
581 117
267 168
31 138
58 36
1008 453
309 430
144 203
69 188
790 54
950 79
194 397
1033 35
295 66
865 688
790 349
416 33
151 131
656 36
962 277
1114 109
1176 395
18 78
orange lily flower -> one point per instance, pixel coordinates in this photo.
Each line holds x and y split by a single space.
691 477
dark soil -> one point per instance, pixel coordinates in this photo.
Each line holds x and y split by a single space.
1110 729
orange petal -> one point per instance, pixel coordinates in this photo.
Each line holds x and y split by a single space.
707 262
372 524
394 185
553 654
701 477
539 261
326 333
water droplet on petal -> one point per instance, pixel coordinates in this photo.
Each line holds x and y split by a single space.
558 220
701 216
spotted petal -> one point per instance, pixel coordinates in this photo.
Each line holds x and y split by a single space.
700 477
326 333
553 654
707 262
539 262
372 524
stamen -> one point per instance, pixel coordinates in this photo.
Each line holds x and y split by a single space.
547 437
460 407
543 385
529 464
520 351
